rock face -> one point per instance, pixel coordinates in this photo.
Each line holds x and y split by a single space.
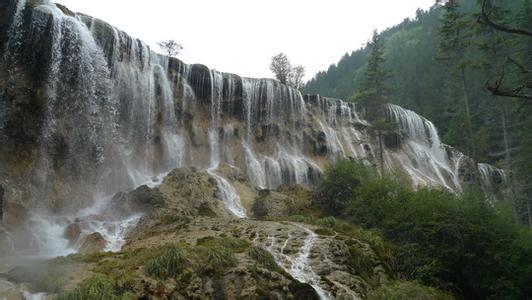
122 114
271 204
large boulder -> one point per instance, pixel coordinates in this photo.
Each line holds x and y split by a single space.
92 243
72 233
141 200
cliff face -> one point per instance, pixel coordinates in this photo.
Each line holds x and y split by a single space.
100 135
86 109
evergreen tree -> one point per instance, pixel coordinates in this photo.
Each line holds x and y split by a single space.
372 90
373 93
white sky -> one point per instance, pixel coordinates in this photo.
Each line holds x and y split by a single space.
241 36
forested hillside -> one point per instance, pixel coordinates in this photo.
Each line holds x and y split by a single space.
451 66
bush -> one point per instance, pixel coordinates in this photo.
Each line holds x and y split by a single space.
459 243
170 263
220 258
96 287
339 183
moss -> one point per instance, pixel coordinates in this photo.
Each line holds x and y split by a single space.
205 211
406 290
263 257
303 290
324 231
236 245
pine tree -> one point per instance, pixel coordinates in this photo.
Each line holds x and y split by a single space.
373 94
454 41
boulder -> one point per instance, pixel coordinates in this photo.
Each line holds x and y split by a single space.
72 233
92 243
141 200
271 204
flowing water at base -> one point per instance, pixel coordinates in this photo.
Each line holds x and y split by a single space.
298 265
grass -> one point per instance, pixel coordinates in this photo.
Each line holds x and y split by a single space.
263 257
96 287
220 258
169 263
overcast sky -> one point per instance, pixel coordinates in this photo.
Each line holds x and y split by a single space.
241 36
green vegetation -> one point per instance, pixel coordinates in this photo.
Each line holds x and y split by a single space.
169 263
96 287
220 258
263 257
449 65
458 243
406 290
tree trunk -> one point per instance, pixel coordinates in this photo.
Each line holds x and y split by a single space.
381 153
470 148
508 159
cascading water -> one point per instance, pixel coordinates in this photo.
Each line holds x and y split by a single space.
298 265
117 115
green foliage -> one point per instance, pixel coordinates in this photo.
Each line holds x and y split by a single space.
406 290
220 258
372 89
97 287
443 60
169 263
263 257
360 262
459 243
339 184
236 245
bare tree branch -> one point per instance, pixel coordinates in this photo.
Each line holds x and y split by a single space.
484 17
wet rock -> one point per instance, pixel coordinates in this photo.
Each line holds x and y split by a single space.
72 233
141 200
6 242
14 215
92 243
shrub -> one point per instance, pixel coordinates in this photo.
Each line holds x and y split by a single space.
220 258
96 287
339 183
169 263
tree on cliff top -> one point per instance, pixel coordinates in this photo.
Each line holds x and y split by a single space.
286 73
372 90
281 67
170 47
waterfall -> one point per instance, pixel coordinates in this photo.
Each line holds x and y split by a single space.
117 115
298 266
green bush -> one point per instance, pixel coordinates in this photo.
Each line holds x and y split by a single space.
339 183
169 263
220 258
458 243
97 287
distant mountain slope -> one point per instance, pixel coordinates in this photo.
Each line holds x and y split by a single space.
410 48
